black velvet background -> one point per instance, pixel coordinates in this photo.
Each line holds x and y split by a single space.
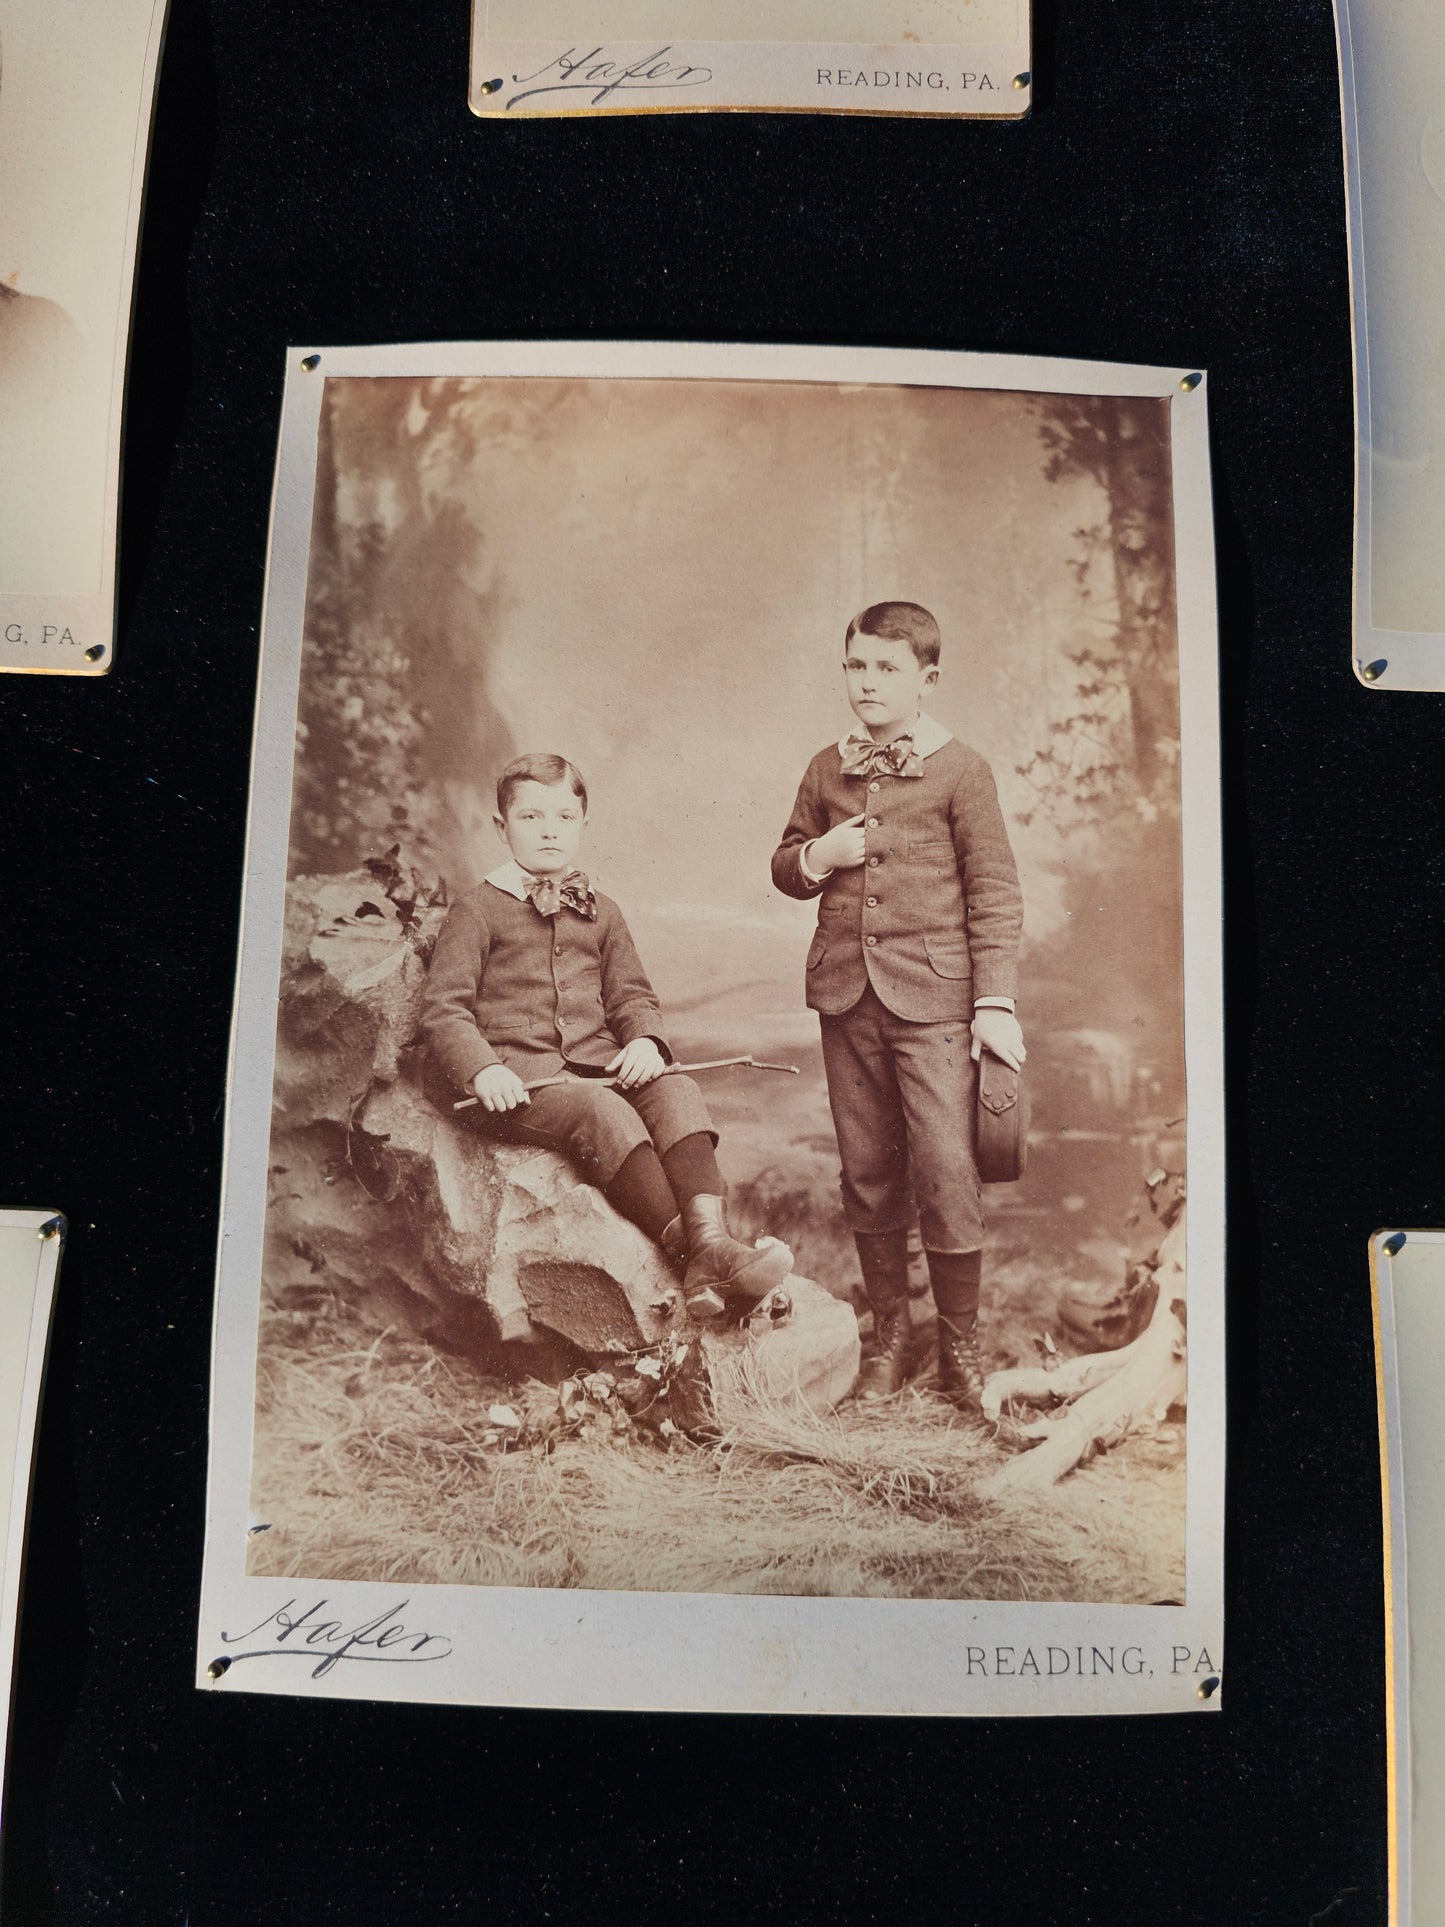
317 177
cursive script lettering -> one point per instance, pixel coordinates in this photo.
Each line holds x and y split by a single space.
306 1635
597 72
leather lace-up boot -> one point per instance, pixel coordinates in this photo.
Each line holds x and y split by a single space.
720 1266
955 1277
883 1256
960 1369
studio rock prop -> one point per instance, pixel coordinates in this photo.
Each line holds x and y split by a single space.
378 1196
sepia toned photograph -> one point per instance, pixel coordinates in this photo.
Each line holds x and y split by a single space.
729 1122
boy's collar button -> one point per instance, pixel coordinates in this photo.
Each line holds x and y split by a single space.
874 786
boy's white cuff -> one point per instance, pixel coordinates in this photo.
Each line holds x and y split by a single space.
810 875
994 1003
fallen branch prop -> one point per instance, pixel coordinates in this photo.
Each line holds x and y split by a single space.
679 1070
1104 1395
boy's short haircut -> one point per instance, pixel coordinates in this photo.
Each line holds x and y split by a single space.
538 767
900 622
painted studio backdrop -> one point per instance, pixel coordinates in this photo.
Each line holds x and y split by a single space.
653 579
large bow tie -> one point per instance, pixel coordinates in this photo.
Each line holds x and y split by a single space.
571 892
863 757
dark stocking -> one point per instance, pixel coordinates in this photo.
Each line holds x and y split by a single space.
692 1169
641 1192
955 1278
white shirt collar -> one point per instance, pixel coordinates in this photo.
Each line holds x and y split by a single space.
928 736
511 877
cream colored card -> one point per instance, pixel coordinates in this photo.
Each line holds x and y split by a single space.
951 57
77 80
465 1443
1392 76
30 1244
1408 1273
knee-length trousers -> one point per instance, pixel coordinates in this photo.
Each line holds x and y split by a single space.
902 1096
599 1128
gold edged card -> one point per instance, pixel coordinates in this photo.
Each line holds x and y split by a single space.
1392 84
1407 1275
468 1442
924 57
76 97
30 1244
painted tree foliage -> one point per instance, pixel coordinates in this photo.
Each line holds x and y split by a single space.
1116 748
1106 773
394 704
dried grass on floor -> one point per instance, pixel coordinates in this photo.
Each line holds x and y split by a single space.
372 1462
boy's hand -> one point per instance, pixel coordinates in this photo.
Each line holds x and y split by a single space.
841 848
998 1031
638 1064
500 1089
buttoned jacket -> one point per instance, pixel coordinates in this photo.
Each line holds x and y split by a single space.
932 917
508 985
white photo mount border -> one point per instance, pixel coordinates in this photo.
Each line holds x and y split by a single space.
1407 1289
713 1652
31 1243
72 631
548 78
1392 65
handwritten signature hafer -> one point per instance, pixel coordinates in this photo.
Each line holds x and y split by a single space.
286 1633
601 74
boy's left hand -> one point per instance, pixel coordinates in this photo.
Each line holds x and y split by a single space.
998 1031
638 1064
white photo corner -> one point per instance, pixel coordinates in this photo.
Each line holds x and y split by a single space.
804 672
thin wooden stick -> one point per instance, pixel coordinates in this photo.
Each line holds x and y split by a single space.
610 1083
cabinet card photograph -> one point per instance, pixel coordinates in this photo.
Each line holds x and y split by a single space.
30 1245
1392 84
728 1018
937 57
77 81
1407 1274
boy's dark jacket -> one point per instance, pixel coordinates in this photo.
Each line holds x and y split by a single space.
932 918
508 985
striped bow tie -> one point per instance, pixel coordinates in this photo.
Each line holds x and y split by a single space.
571 892
864 757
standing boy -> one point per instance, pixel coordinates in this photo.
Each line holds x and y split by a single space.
535 976
913 971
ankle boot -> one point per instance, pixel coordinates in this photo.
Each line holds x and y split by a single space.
884 1258
720 1266
960 1369
955 1278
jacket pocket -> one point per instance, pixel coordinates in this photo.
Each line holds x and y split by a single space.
817 950
948 954
932 849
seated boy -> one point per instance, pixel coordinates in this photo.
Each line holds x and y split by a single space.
535 975
897 831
